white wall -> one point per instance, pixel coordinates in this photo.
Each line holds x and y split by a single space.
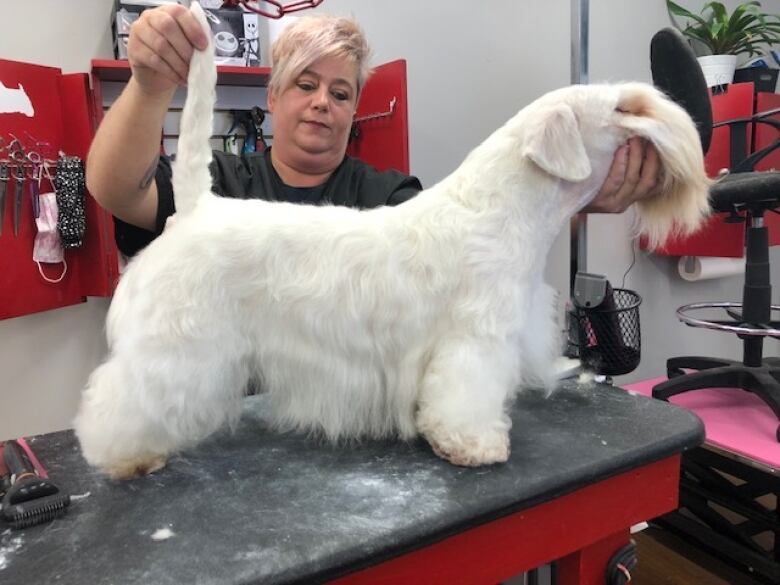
471 66
58 34
45 358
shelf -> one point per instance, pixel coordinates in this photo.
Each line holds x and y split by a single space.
114 70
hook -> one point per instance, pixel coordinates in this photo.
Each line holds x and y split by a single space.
38 144
388 112
15 145
16 150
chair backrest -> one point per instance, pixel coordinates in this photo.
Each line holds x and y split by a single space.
677 73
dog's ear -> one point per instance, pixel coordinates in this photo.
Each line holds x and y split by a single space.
555 144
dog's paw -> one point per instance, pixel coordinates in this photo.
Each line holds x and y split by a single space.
130 469
470 451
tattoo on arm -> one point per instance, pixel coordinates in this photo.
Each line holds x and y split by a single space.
150 173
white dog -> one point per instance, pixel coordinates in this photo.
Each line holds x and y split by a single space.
418 319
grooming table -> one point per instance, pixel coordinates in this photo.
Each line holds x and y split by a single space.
255 506
734 517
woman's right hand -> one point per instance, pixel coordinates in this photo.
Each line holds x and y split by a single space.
160 47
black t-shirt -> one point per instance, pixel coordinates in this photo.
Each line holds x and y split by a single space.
252 176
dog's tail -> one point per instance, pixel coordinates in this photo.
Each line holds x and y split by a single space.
191 176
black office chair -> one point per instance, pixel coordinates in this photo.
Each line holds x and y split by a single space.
746 195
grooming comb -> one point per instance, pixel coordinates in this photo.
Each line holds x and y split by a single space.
31 499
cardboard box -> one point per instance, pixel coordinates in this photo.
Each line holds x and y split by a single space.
236 33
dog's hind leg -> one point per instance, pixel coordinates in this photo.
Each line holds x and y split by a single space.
142 406
113 435
463 400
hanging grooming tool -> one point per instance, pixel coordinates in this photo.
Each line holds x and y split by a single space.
19 191
69 185
35 184
31 499
258 117
250 131
230 141
3 189
35 190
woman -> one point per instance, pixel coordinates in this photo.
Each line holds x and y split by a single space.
320 64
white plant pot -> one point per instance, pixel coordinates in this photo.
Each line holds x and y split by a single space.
718 69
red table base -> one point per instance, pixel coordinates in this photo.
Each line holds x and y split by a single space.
582 529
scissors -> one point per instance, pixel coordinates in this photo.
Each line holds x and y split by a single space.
35 184
3 187
18 198
19 158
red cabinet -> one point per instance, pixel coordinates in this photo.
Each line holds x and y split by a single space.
382 120
766 135
719 238
62 121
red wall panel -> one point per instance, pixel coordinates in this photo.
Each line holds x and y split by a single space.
61 122
383 139
766 135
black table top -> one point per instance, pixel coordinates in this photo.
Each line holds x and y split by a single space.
255 506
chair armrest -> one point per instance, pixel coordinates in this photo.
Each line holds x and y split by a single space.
739 161
757 117
767 113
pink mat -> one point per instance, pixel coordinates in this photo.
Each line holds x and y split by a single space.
734 420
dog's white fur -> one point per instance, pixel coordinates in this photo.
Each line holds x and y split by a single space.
421 318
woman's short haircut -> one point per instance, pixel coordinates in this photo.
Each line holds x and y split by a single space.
313 37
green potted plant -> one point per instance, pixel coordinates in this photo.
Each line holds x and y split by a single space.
719 37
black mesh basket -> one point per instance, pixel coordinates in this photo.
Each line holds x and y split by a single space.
606 338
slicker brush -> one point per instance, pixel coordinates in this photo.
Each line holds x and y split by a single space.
31 499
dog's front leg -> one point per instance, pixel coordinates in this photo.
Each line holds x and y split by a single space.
463 400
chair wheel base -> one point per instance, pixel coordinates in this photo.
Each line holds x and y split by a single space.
698 373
